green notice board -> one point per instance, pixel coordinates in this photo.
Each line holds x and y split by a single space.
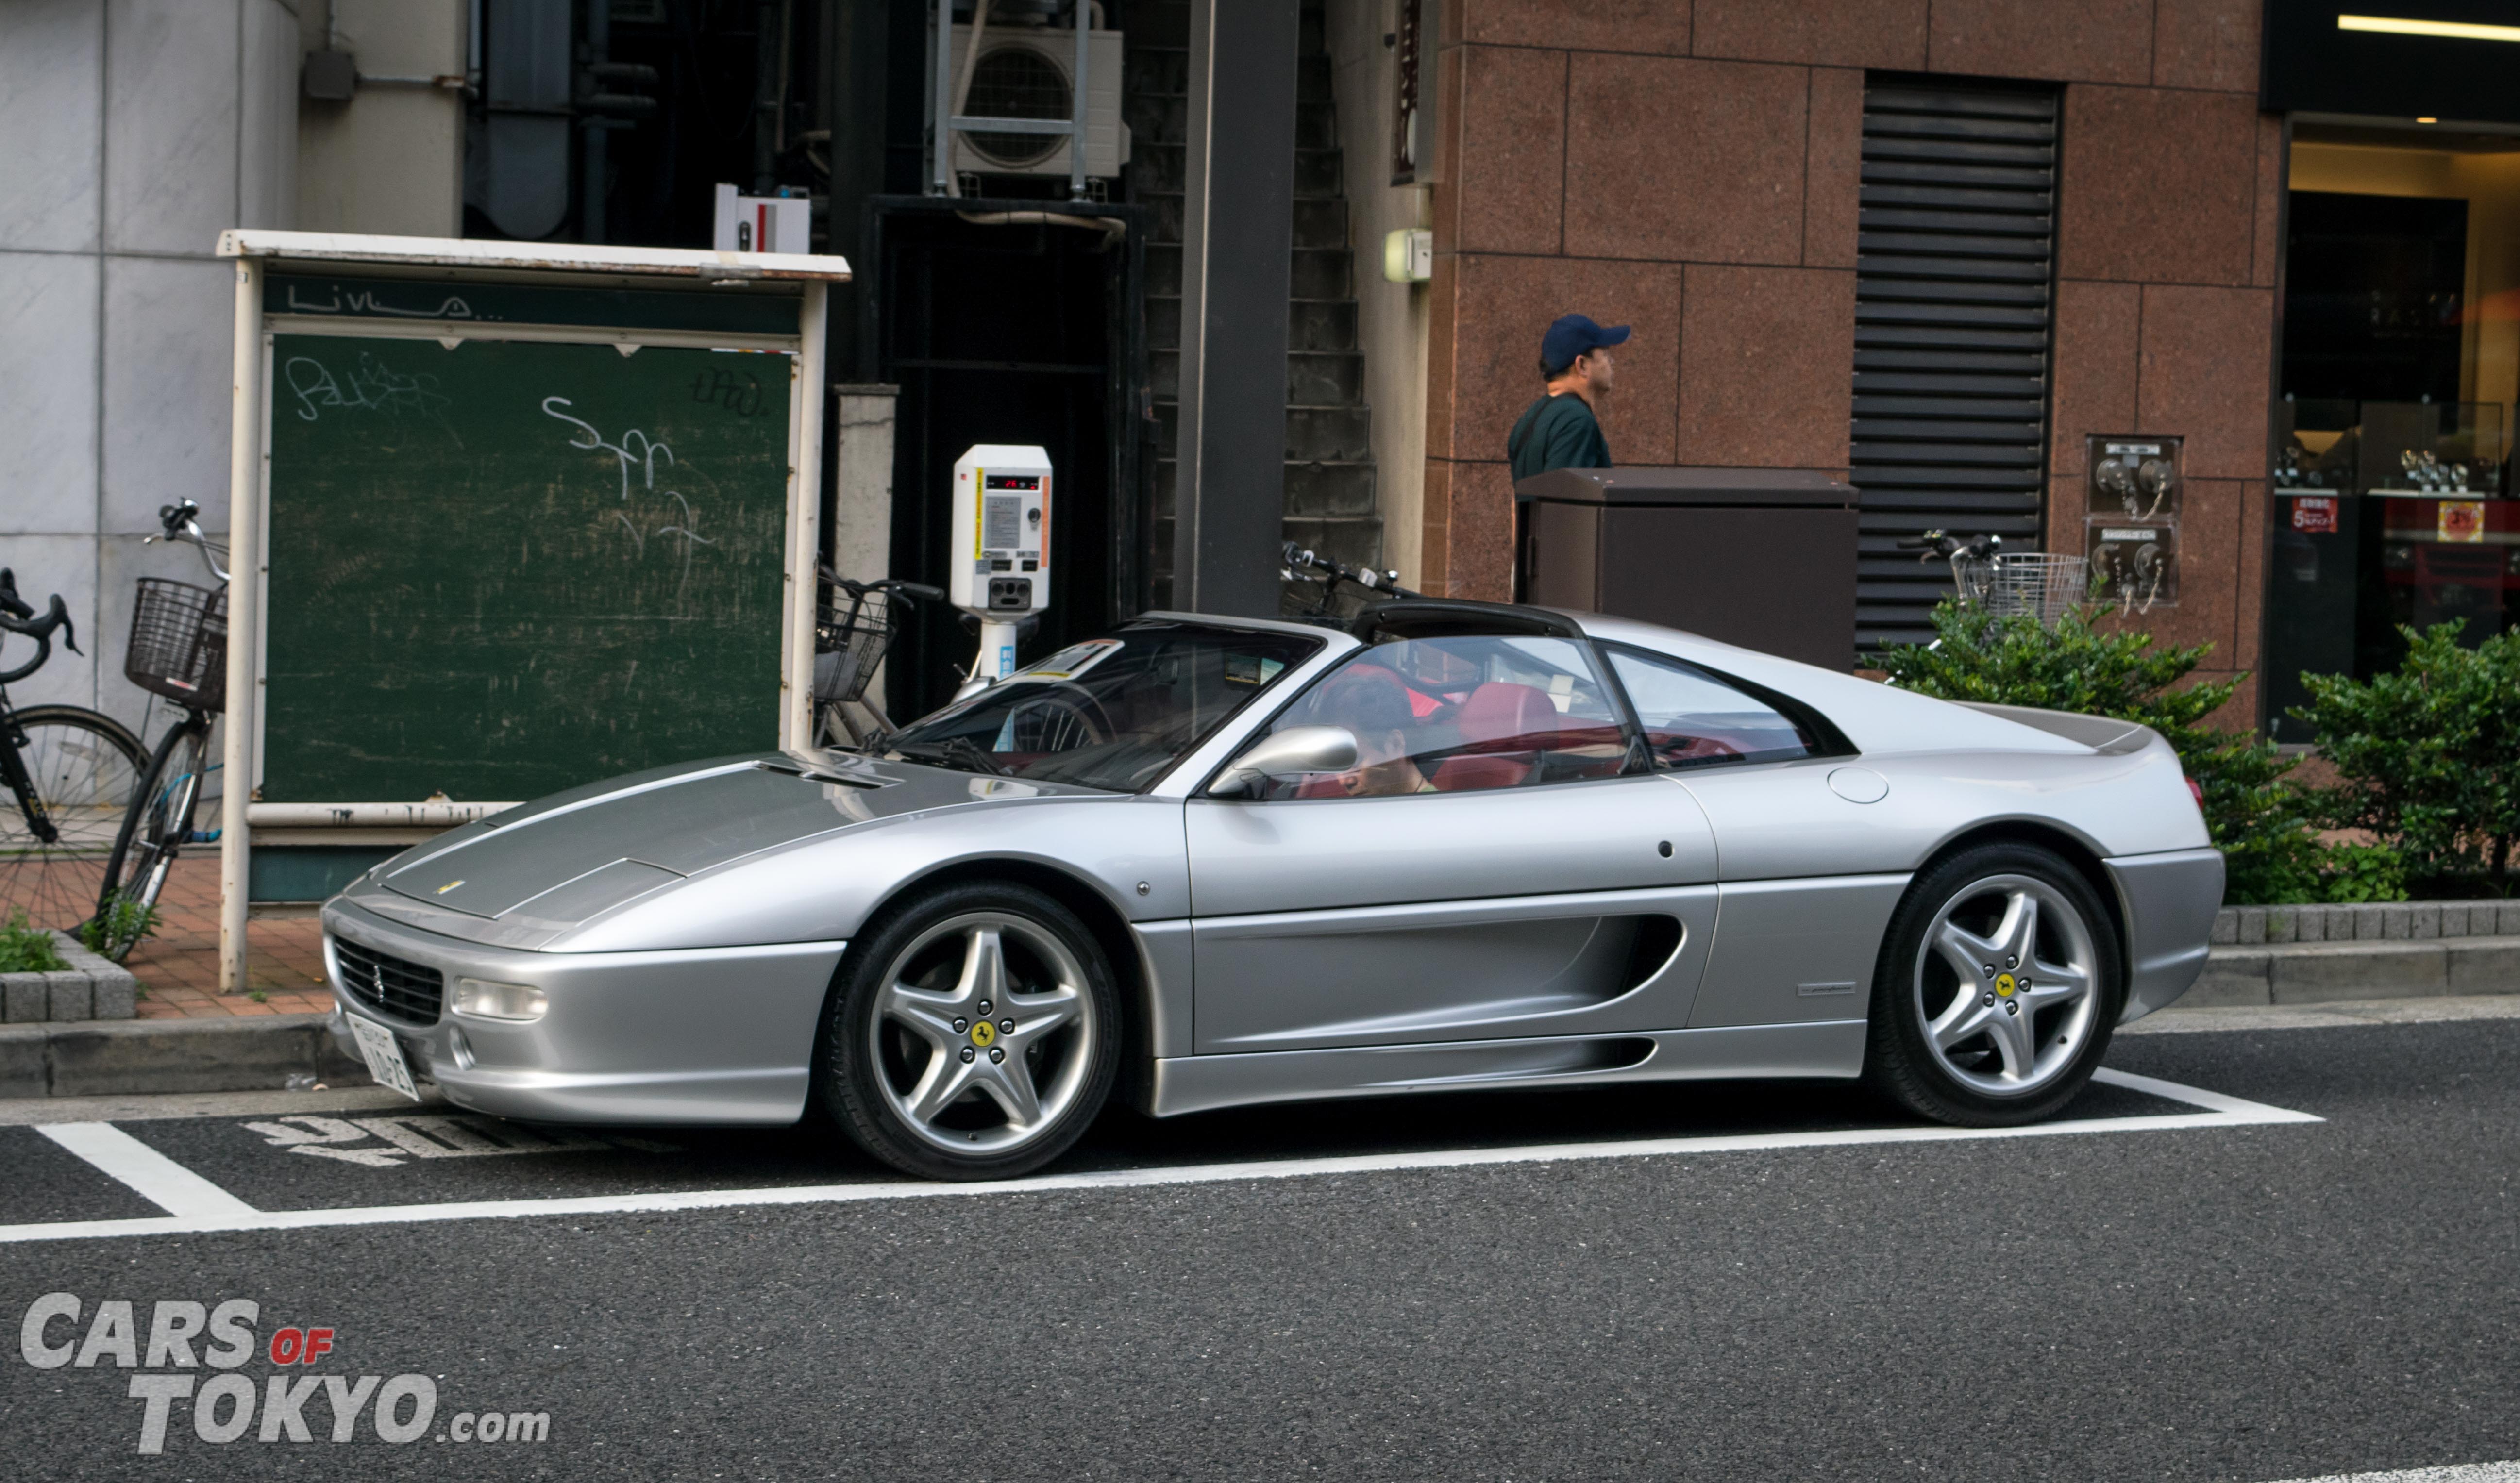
503 567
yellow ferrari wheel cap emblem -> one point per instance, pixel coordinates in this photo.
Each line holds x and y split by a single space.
983 1032
2003 984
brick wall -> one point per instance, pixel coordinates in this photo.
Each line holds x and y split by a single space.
1691 168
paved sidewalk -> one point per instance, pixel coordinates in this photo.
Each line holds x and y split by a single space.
178 966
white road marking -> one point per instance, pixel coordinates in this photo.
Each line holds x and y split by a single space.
2472 1472
159 1180
2221 1112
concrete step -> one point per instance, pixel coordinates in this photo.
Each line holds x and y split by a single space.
1331 435
1321 221
1155 118
108 1059
1312 273
1313 490
1312 324
1322 490
1356 541
2321 972
1333 379
1161 168
1163 72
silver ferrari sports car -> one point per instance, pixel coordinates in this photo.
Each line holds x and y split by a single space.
1204 862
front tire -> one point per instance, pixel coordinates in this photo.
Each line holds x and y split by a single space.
973 1034
1998 983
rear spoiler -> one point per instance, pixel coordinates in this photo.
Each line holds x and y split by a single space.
2101 734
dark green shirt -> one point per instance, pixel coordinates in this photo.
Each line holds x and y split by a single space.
1556 433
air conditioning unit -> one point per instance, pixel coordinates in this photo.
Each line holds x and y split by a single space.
1025 72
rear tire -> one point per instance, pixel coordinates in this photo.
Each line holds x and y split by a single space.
1998 983
974 1033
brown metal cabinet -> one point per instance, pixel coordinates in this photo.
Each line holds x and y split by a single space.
1762 558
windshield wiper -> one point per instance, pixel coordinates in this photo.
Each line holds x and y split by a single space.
954 750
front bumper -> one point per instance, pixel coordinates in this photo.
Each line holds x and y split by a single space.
718 1034
2169 901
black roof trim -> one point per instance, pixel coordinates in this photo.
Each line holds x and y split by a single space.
1439 617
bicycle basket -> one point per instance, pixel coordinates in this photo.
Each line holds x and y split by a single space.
179 644
2036 584
851 633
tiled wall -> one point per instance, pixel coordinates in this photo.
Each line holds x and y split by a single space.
132 132
1691 168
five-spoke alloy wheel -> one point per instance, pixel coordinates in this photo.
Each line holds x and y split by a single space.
1997 985
973 1034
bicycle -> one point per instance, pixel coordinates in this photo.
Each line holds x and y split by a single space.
2033 584
178 652
855 624
1302 568
70 771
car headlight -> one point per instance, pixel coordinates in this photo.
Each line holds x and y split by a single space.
485 1000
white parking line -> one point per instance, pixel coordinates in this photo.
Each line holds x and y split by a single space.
2472 1472
159 1180
214 1209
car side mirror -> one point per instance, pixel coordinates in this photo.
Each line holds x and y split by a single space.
1290 753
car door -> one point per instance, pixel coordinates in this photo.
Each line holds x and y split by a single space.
1809 861
1500 863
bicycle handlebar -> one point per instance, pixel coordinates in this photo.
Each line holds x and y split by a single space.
20 619
1935 543
918 589
10 602
1303 558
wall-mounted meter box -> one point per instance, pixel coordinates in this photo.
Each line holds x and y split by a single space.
2132 478
1001 541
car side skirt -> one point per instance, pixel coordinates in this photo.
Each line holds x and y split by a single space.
1833 1049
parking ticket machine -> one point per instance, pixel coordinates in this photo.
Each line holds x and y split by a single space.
1000 566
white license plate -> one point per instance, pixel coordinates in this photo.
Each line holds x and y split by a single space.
384 1056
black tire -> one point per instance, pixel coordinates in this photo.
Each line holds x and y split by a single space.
84 765
2021 1043
164 810
905 1010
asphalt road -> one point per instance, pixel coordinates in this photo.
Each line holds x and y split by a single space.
2246 1301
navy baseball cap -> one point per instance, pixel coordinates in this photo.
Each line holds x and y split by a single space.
1573 334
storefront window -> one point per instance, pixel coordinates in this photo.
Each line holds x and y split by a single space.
2392 485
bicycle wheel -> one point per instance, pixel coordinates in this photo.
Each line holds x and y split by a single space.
166 810
82 766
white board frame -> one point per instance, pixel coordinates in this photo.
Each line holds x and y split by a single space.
249 484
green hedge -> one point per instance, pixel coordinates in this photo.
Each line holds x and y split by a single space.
2429 754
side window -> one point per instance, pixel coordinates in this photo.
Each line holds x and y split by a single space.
1461 714
1693 719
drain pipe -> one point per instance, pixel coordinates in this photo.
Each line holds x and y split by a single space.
1112 227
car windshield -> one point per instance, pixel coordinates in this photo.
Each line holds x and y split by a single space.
1112 712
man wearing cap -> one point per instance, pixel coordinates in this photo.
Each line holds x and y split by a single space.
1561 429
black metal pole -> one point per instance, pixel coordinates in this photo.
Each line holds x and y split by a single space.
1238 233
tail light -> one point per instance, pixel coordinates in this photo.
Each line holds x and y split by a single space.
2195 792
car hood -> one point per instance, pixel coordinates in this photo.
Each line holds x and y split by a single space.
544 867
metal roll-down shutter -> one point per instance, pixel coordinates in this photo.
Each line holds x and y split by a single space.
1954 307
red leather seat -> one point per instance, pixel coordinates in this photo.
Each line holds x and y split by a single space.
1499 718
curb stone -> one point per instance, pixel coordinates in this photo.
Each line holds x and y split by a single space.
93 1058
90 988
2326 973
2387 921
